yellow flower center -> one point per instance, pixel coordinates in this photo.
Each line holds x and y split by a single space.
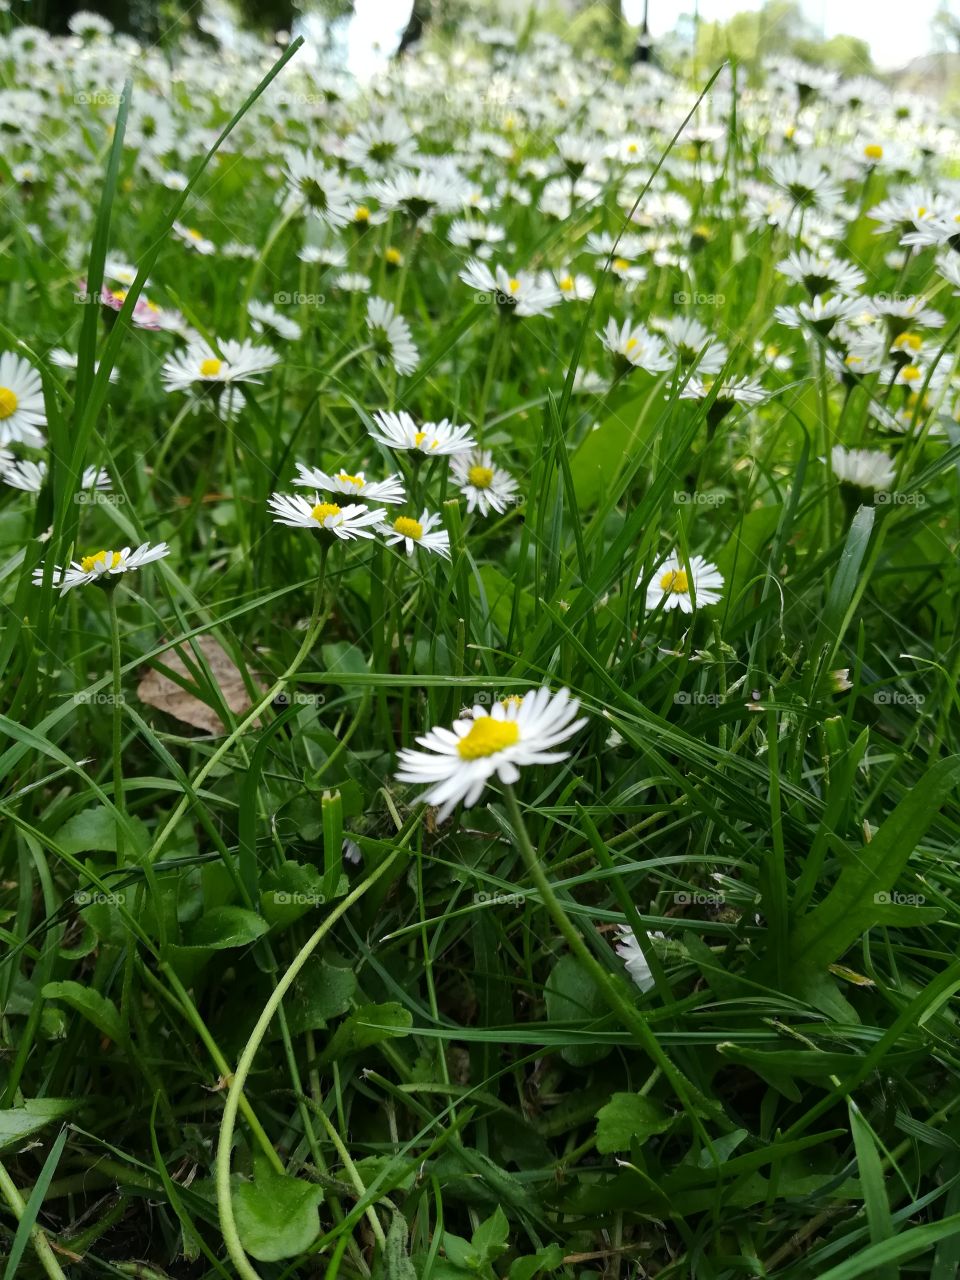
362 214
632 148
674 582
210 367
324 510
357 481
789 131
488 736
514 698
89 563
8 402
408 528
631 343
393 256
921 210
566 284
772 351
513 285
480 477
419 438
194 234
912 340
621 264
702 232
873 151
910 373
121 294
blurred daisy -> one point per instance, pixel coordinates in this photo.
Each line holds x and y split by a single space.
194 239
523 294
820 314
573 287
315 189
693 343
865 468
102 567
478 238
486 487
417 533
459 762
266 319
634 961
29 476
399 431
355 486
345 523
390 336
817 274
200 364
21 402
634 347
674 585
64 359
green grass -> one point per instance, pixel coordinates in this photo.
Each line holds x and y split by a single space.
228 1049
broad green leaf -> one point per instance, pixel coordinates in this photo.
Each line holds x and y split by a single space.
571 995
546 1260
490 1237
366 1026
276 1214
95 831
628 1117
19 1124
88 1002
226 927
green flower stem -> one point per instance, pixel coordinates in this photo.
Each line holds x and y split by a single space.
228 1225
352 1172
117 720
314 627
39 1240
630 1016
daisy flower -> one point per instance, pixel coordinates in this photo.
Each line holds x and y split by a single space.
318 190
459 762
356 486
818 274
236 362
634 961
421 193
478 238
390 335
417 533
65 359
194 239
820 314
102 567
29 476
21 402
574 287
672 581
523 294
399 431
693 343
345 523
267 320
486 487
865 468
634 347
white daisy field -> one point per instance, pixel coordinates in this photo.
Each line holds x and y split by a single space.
479 739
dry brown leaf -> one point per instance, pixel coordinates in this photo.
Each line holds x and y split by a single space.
157 689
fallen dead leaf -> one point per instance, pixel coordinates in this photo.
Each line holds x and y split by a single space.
158 690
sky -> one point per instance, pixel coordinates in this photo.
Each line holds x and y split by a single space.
895 32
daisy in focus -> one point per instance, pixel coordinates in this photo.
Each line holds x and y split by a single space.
346 523
202 367
102 567
459 762
21 402
411 534
485 486
29 476
390 336
675 586
355 486
523 294
399 431
633 347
